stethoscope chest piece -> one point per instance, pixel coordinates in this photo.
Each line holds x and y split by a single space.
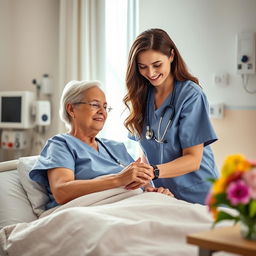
149 134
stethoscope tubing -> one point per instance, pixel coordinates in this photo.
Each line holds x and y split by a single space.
149 132
109 153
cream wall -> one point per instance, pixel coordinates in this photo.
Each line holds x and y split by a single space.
29 47
205 33
236 133
5 40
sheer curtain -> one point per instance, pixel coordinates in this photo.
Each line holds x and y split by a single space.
81 37
121 29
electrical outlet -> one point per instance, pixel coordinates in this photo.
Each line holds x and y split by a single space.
217 111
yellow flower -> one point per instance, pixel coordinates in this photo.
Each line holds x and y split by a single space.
234 163
219 186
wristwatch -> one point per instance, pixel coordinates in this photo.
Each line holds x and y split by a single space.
155 171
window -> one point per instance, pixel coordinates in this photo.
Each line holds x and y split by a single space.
120 30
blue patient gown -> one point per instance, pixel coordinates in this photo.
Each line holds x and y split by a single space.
190 126
67 151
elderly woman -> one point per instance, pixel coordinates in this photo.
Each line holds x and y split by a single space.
70 162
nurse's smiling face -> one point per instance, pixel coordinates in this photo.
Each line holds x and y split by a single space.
155 67
91 112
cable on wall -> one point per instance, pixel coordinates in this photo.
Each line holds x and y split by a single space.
245 78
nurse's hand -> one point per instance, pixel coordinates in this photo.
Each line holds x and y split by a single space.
161 190
135 175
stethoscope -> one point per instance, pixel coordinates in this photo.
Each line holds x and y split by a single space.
149 132
109 153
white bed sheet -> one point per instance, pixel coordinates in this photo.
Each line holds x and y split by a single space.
112 222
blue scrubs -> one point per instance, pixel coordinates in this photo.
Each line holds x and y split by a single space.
190 126
67 151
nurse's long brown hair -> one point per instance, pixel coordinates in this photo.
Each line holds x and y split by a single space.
137 85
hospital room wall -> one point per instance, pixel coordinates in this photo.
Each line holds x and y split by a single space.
29 32
205 33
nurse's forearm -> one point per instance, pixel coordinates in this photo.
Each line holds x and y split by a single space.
189 162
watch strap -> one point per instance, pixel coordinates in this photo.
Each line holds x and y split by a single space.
155 171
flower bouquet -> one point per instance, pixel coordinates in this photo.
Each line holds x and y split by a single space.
236 189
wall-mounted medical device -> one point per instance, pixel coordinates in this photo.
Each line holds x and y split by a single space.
246 58
15 109
11 139
21 110
45 86
43 112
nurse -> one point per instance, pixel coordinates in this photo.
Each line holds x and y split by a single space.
70 162
169 117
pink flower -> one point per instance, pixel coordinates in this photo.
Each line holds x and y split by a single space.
250 179
252 162
238 192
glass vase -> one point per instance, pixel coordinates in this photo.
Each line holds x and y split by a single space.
248 228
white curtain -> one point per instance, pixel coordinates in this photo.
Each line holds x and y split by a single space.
92 39
121 30
80 38
83 42
132 21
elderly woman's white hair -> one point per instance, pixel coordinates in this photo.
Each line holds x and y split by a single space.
73 92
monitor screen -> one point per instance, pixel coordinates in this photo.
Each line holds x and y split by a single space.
11 109
16 109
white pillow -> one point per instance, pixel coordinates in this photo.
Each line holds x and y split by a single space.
14 204
36 193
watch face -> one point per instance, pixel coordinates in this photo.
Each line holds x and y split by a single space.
156 173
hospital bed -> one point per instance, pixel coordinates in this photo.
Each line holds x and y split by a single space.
111 222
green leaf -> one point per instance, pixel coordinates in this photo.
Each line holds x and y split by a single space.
242 209
221 199
212 180
252 209
225 216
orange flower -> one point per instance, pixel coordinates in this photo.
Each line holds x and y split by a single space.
210 201
214 213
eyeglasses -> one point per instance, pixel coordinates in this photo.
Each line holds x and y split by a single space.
95 105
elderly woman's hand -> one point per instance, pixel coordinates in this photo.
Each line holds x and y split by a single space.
161 190
135 175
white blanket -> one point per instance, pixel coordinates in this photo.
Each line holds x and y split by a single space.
115 223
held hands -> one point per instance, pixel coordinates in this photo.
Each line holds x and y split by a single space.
136 175
139 174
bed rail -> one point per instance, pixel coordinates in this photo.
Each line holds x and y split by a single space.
8 165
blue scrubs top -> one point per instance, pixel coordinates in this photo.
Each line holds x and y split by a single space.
64 150
190 126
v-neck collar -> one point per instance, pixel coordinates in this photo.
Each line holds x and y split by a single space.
158 112
87 145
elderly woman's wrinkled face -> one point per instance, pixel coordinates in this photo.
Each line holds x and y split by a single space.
91 112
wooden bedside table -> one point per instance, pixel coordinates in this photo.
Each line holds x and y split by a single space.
226 239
